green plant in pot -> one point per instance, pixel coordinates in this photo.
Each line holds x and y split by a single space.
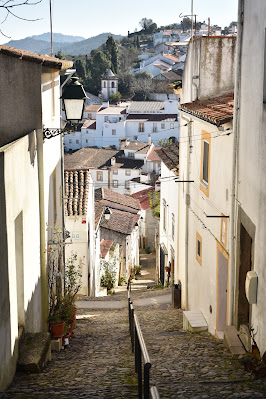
55 319
108 275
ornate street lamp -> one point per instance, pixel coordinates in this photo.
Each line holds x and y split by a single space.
74 98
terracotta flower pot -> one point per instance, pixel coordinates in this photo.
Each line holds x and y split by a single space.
70 327
57 330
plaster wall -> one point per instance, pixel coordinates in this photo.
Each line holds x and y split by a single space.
210 65
21 201
20 98
251 179
100 183
132 130
169 193
122 178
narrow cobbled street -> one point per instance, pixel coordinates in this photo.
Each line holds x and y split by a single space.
99 364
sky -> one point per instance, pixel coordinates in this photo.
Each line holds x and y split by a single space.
89 18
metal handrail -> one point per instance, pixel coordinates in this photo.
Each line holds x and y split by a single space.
139 347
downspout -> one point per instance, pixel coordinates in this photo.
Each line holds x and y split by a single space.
232 269
44 278
187 210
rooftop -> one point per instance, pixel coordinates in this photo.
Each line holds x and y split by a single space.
89 124
109 75
93 108
217 110
120 221
152 118
76 192
116 198
143 197
170 157
136 145
171 57
98 211
146 106
153 156
87 158
44 60
113 110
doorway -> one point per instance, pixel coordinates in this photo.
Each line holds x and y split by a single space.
244 267
222 289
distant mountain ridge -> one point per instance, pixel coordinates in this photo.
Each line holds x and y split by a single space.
76 47
58 37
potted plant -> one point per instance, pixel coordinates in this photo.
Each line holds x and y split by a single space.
167 269
56 321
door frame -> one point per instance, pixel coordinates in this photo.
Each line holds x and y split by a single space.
226 255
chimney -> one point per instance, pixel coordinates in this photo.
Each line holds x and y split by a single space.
149 139
105 104
113 161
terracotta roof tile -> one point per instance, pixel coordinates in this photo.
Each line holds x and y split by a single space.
122 199
153 156
43 59
86 158
216 110
171 57
93 108
98 210
170 157
120 221
143 197
76 192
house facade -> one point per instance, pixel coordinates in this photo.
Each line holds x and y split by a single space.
30 194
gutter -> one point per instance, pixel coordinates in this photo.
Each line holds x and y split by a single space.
232 247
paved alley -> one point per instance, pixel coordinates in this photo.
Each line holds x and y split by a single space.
99 364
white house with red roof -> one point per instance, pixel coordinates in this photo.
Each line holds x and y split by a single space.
147 222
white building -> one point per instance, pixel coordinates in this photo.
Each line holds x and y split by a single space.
30 170
136 120
249 165
109 85
205 168
168 230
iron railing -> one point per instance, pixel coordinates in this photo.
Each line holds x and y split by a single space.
141 354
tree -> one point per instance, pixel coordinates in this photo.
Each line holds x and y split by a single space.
152 28
137 44
111 51
142 86
145 23
186 24
115 98
9 9
97 65
79 65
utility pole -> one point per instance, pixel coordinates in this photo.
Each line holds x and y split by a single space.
192 20
209 26
51 29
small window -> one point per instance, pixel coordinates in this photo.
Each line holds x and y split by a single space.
199 248
90 116
162 125
113 85
70 141
104 85
205 162
127 184
141 127
131 154
77 141
223 231
115 172
113 132
135 138
128 172
106 119
172 125
154 128
87 141
99 176
115 183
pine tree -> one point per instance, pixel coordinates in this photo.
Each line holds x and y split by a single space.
111 51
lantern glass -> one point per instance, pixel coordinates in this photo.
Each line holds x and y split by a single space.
74 109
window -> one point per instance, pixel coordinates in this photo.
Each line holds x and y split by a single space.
115 183
131 154
87 141
223 231
99 176
164 214
205 163
113 132
199 248
173 226
115 172
70 141
135 137
154 127
106 119
162 125
113 85
104 85
127 184
128 172
141 127
77 141
90 116
172 125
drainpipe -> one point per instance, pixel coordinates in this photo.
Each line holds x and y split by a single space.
187 210
44 279
232 269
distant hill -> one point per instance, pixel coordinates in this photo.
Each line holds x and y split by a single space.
58 37
73 48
